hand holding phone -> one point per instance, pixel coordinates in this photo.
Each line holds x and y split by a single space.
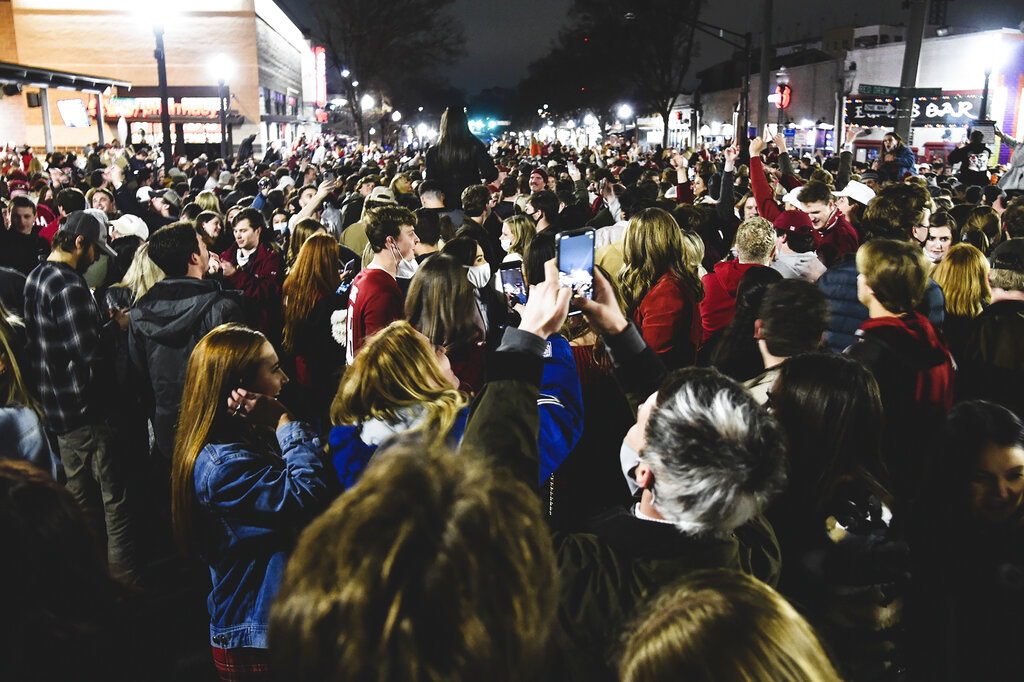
575 257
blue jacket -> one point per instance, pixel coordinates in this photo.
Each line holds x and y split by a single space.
561 422
253 506
847 313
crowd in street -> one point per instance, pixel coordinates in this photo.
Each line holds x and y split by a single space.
779 437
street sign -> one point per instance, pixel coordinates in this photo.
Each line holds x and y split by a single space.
879 90
889 91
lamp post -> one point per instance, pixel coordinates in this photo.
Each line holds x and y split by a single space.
221 67
984 94
845 83
165 114
783 91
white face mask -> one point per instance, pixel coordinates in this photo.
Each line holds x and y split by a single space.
405 268
628 460
506 245
479 275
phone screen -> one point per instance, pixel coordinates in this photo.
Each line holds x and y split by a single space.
576 261
512 283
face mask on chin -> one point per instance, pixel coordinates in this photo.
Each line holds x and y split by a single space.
479 275
405 269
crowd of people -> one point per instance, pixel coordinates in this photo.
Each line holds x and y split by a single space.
781 437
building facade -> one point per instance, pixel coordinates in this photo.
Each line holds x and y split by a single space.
269 68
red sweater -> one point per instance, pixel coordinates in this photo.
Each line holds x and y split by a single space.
669 320
719 304
374 302
838 238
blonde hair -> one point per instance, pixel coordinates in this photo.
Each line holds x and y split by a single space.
963 276
226 358
396 369
142 274
722 625
896 271
523 231
208 201
314 275
652 246
12 384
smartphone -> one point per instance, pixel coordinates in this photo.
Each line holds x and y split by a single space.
512 283
575 254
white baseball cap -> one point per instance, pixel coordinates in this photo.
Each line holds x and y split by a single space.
857 191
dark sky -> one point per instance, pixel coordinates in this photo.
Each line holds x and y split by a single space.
504 36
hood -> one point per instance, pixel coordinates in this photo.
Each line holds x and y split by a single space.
800 263
911 336
731 272
169 312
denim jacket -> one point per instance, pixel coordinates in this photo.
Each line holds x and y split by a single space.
253 506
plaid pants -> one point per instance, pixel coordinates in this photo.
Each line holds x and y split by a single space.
241 665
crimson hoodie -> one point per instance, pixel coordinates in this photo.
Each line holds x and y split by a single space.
914 369
719 303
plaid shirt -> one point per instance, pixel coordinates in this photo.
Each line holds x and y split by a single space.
62 322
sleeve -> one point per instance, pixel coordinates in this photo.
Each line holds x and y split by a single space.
956 156
259 202
726 198
638 369
561 408
845 169
766 206
504 420
684 193
76 316
264 485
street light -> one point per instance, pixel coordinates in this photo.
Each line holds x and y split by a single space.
367 102
165 114
625 112
992 60
396 116
345 73
222 68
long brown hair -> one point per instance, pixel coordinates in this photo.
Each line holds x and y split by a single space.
396 369
224 359
314 275
440 303
653 245
12 384
302 231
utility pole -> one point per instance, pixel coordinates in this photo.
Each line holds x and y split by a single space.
766 56
911 59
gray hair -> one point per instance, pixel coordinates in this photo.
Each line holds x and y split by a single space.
717 457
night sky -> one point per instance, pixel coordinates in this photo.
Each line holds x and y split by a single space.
504 36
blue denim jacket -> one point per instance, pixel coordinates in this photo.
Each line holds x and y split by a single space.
252 508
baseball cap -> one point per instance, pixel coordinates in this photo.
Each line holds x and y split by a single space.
857 191
130 225
168 195
796 222
87 224
144 194
1009 255
791 197
382 195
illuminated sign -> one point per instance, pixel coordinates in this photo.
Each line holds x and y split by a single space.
149 107
783 94
321 76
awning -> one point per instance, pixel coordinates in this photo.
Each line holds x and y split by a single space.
37 77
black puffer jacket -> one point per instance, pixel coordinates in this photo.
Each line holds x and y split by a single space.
166 324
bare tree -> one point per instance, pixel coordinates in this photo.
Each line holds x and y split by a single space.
387 47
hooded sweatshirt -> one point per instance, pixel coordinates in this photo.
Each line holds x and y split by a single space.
719 303
166 324
805 266
914 369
